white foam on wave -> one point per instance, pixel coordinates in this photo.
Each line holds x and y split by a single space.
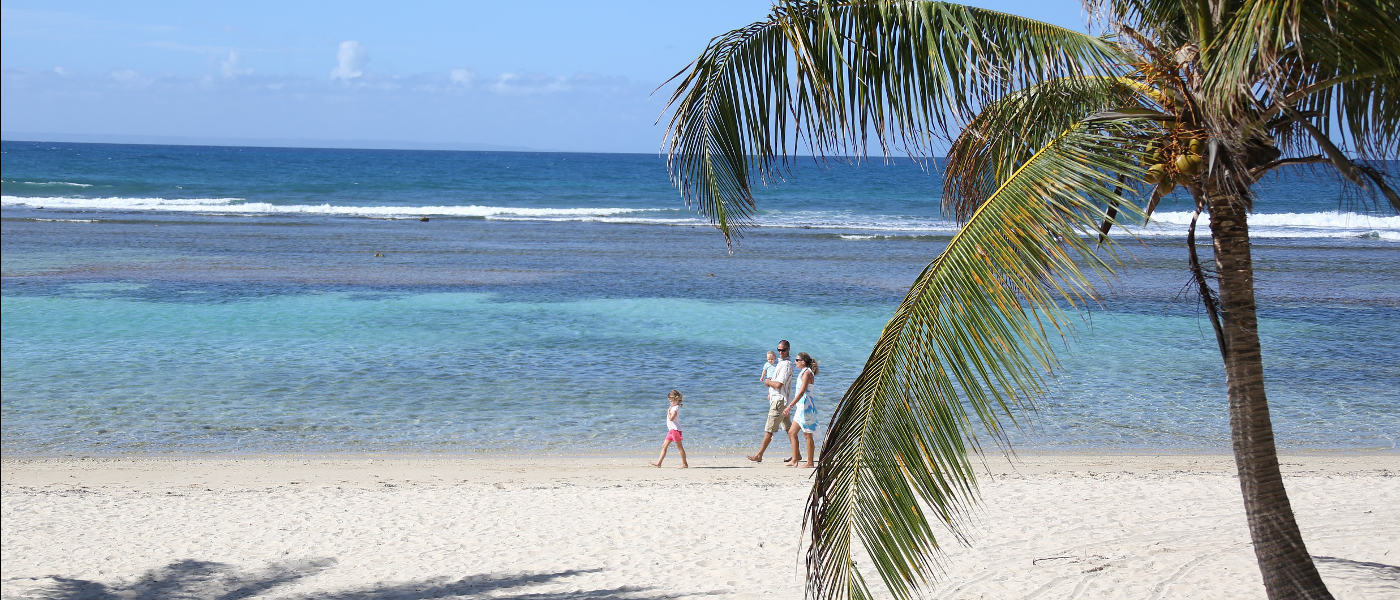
1163 224
238 206
1286 225
62 183
855 226
846 221
118 203
618 220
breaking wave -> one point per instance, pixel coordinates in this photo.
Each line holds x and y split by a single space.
855 226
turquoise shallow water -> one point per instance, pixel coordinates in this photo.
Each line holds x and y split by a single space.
152 329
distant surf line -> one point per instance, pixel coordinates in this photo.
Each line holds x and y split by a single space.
1334 224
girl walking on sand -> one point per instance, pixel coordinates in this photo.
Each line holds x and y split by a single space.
803 409
673 430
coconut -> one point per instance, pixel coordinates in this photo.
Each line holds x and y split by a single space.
1156 174
1189 164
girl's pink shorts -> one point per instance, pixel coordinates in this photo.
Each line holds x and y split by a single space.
673 435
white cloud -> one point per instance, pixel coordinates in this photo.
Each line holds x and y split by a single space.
125 76
462 77
532 84
229 67
351 59
60 71
510 83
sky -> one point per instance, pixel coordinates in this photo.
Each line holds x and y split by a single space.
543 75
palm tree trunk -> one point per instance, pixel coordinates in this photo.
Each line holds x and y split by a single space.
1288 569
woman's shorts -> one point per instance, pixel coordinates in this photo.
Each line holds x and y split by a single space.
673 435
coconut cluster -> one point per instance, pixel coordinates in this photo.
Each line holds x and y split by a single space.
1174 159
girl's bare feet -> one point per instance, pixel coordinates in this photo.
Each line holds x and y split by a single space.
809 465
793 463
755 458
683 466
655 464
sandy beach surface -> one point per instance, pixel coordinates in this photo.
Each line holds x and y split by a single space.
1051 526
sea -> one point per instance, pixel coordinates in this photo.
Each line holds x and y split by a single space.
199 300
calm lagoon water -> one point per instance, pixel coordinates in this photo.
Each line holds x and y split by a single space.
194 300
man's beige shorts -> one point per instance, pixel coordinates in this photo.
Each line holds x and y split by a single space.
777 421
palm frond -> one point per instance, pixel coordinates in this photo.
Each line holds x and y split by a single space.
1340 60
1004 135
1170 22
739 82
835 75
970 342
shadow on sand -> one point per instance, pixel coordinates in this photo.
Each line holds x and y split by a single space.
220 581
1381 570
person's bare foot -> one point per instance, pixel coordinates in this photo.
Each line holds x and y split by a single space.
809 465
655 464
789 459
683 466
793 463
755 458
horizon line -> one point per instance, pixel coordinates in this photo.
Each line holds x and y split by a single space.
319 144
290 143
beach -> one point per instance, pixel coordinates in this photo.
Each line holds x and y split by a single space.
610 526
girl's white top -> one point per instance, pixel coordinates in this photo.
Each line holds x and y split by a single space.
673 417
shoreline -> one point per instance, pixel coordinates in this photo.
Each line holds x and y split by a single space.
718 452
411 527
316 467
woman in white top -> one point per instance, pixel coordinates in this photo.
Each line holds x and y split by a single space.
803 409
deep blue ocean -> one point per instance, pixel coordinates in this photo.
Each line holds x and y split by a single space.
163 300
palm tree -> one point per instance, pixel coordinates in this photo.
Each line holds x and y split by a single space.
1063 135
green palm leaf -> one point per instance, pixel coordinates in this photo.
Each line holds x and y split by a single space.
1006 133
969 343
1341 59
834 75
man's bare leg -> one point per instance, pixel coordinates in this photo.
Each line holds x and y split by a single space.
767 438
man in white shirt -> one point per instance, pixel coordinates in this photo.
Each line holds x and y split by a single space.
779 389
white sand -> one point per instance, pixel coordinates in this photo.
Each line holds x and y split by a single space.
359 528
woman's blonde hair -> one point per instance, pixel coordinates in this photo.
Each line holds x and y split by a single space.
676 395
808 360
